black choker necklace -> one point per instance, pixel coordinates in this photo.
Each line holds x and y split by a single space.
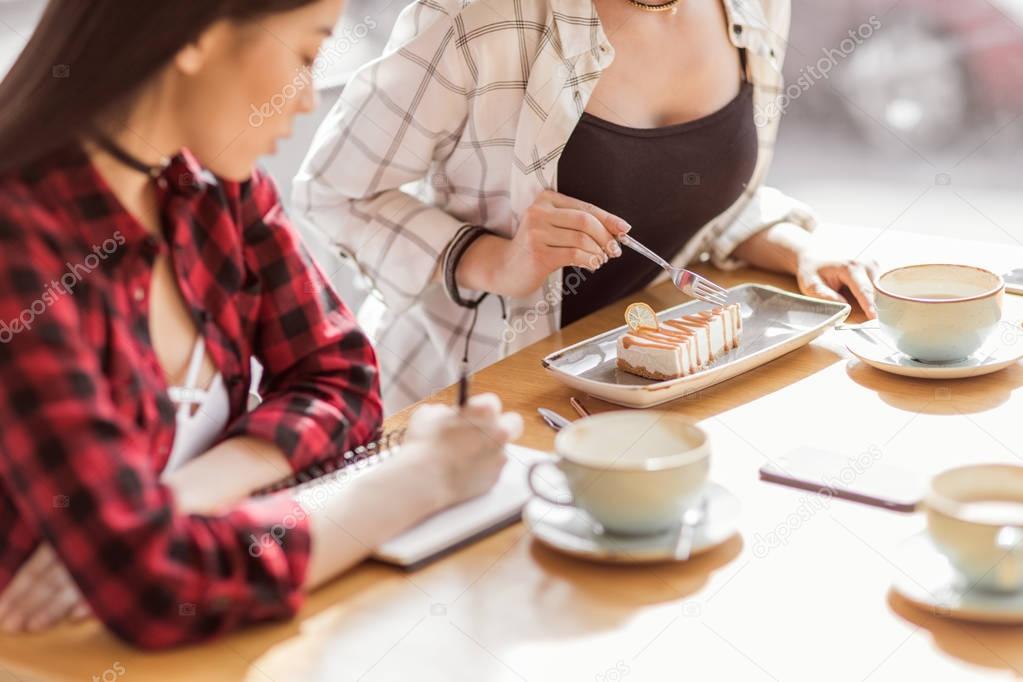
130 161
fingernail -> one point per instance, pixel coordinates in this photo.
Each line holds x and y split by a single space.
615 249
624 226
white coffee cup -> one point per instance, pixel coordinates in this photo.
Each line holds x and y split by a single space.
634 472
939 313
975 518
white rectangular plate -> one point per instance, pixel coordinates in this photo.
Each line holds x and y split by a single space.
774 322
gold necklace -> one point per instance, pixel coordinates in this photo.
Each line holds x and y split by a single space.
661 7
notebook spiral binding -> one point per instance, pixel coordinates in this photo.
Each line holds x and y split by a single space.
360 457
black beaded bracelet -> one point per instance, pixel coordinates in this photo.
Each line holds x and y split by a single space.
464 238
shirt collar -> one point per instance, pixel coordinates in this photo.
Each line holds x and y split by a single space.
184 175
578 26
744 16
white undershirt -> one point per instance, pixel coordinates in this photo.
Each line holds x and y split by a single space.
202 414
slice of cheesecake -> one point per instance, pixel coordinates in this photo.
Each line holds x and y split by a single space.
680 347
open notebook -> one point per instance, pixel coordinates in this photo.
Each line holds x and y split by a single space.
465 523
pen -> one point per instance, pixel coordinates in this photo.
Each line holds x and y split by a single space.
578 406
463 385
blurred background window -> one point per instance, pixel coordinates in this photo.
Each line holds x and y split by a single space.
906 114
17 18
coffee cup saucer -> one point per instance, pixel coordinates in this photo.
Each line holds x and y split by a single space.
573 531
929 581
872 348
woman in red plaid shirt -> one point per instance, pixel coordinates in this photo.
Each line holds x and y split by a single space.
143 266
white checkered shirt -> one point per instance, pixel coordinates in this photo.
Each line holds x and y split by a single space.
462 122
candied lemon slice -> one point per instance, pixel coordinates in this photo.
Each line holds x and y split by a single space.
640 315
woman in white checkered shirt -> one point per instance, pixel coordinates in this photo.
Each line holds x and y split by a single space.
437 174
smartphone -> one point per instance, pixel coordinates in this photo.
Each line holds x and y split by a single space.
1014 281
859 478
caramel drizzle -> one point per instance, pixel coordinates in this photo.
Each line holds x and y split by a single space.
708 316
656 338
673 334
690 328
700 338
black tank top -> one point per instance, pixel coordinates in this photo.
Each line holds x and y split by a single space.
666 182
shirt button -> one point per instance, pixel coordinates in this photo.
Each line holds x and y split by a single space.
161 182
139 294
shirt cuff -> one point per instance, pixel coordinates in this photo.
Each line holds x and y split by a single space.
278 543
295 429
768 208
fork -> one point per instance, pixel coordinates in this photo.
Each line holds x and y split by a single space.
687 281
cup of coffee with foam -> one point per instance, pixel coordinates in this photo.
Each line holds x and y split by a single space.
975 518
633 472
939 313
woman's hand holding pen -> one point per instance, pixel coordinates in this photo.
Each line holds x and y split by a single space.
462 450
556 231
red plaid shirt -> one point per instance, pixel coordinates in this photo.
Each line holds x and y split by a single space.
86 424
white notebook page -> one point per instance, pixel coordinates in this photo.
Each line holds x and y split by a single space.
452 527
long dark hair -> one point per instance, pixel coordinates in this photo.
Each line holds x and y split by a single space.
87 57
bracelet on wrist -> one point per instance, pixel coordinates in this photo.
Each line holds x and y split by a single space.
457 248
464 238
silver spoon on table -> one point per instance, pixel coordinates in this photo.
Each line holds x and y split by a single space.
553 419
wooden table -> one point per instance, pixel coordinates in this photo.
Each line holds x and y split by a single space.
801 593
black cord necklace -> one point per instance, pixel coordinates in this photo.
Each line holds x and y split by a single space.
108 145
